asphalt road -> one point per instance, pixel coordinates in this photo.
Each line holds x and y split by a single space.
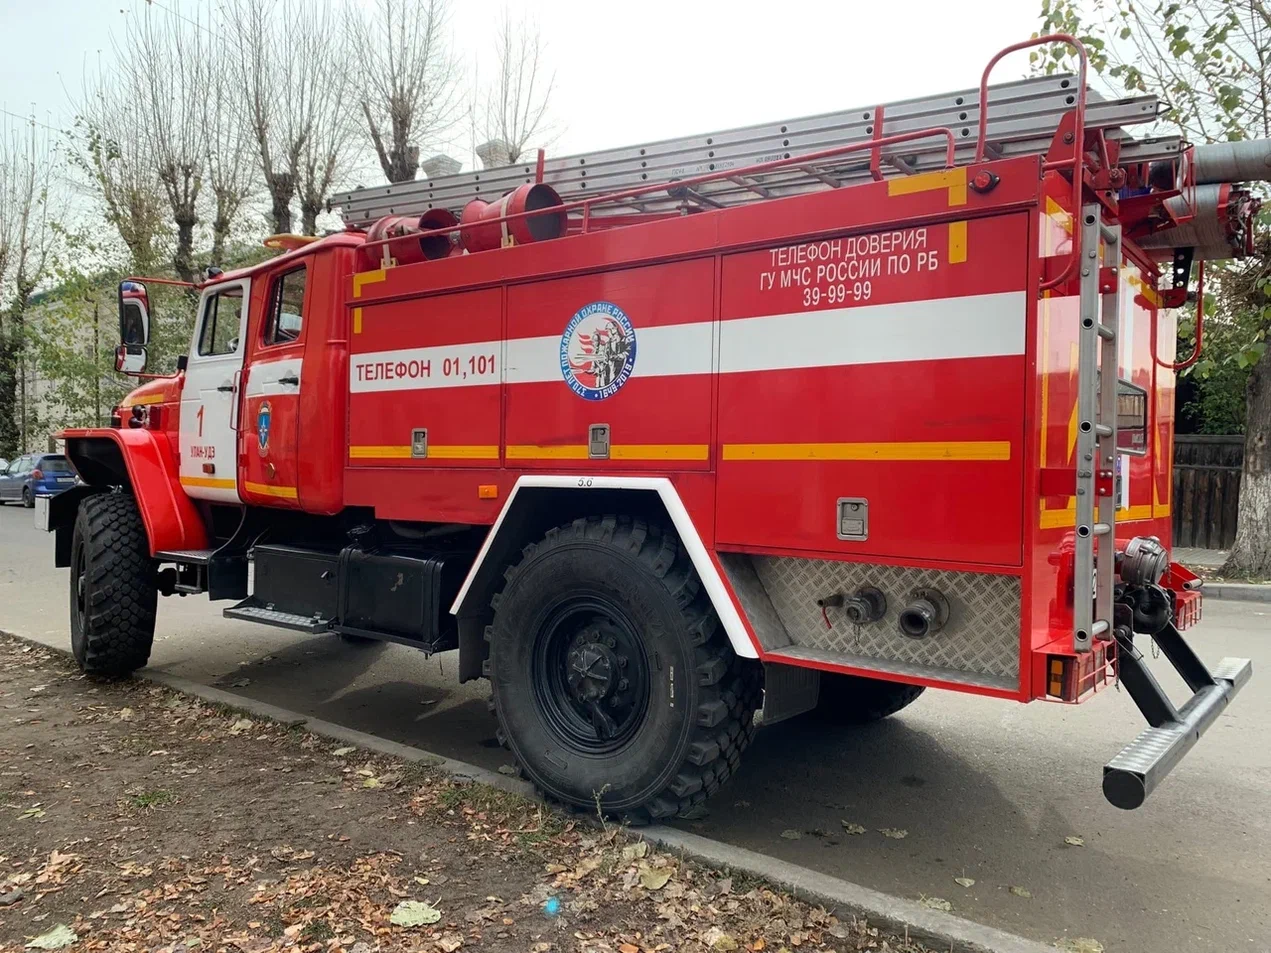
985 789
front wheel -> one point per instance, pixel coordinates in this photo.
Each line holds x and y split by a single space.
114 593
614 686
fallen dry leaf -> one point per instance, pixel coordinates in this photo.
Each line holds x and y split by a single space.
1080 944
449 942
937 903
1021 892
634 851
413 913
895 833
964 881
654 878
1075 841
850 828
791 834
59 937
341 752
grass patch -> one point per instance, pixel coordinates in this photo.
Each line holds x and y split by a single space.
317 931
149 800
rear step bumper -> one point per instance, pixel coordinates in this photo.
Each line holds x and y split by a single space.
1134 773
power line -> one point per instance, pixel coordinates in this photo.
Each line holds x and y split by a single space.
31 119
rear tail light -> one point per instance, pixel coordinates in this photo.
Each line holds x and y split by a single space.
1069 678
37 474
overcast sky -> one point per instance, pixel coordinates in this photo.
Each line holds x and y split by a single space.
626 72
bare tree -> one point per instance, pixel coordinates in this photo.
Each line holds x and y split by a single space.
231 168
515 109
164 67
289 73
110 149
407 80
328 148
28 158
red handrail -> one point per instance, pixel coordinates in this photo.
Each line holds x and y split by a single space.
587 203
1079 137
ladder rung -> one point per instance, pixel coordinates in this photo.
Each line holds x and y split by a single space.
1107 332
1099 627
1103 430
1101 529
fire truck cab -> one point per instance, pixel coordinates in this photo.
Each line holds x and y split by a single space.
806 417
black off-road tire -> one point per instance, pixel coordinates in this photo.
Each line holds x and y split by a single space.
853 700
701 697
114 590
27 499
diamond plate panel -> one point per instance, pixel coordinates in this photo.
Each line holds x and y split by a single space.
754 601
982 634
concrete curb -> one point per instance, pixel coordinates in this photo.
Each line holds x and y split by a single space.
1238 591
941 930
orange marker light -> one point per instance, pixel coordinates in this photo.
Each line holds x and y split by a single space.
488 491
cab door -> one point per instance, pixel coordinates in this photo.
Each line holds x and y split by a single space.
271 404
209 400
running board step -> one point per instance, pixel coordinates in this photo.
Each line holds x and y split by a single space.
1134 773
251 610
186 557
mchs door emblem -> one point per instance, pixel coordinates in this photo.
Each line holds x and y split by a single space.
597 350
262 427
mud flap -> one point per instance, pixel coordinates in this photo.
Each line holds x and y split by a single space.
1134 773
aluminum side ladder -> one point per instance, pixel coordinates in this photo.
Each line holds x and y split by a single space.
1023 117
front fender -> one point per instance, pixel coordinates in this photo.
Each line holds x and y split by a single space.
141 461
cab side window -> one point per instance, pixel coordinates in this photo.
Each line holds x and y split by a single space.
286 308
222 316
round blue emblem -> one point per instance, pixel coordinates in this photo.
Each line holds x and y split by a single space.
262 427
597 350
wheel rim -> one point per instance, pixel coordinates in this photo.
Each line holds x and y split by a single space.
79 595
590 676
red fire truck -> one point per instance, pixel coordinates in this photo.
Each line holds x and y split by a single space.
805 417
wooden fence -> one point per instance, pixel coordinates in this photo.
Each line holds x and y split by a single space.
1206 489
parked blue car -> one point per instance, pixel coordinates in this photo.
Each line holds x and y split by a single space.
35 474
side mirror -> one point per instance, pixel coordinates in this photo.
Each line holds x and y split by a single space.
130 358
134 313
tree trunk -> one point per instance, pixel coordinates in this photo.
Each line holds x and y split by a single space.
9 395
309 218
1251 554
282 188
220 232
183 257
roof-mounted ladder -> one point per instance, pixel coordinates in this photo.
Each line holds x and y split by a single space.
1023 116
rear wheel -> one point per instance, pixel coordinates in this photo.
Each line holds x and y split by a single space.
613 684
27 499
113 587
852 700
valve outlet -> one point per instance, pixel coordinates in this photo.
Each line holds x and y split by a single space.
926 613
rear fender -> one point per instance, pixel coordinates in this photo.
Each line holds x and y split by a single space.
141 462
539 502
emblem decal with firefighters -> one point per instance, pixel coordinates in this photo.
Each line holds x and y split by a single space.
263 419
597 350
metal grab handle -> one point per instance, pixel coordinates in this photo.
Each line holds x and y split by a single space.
226 388
293 380
1200 327
1079 136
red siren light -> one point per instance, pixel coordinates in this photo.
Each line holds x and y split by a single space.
520 231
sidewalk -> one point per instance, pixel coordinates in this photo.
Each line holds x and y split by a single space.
1206 562
136 818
